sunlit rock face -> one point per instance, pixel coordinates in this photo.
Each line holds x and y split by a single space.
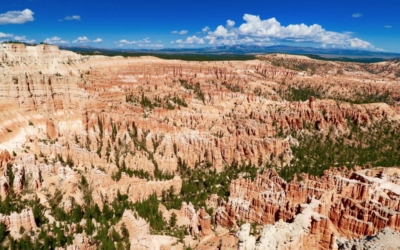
125 126
342 203
216 112
15 221
385 239
200 221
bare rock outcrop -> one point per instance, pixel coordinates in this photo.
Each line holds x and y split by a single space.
137 189
15 221
4 186
5 158
136 226
200 221
349 204
131 125
81 242
78 100
385 239
308 230
139 234
246 241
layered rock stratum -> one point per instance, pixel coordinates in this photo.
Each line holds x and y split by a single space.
80 134
314 211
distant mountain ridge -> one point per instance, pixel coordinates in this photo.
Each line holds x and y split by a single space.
287 49
251 49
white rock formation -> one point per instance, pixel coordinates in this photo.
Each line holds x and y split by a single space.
246 241
387 239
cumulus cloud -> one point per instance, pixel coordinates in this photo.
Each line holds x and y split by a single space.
24 39
55 40
73 18
230 23
190 40
356 15
146 42
256 31
16 17
182 32
84 39
125 42
205 29
20 38
4 35
358 43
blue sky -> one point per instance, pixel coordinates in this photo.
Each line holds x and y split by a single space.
154 24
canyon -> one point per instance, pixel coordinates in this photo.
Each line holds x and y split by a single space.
82 135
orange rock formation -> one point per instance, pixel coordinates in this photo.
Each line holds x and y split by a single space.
67 119
351 203
200 222
15 221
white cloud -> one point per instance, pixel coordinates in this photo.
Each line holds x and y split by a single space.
55 40
254 30
84 39
357 15
205 29
182 32
221 31
191 40
4 35
271 28
16 17
24 39
73 18
230 23
125 42
358 43
157 45
146 42
388 26
20 38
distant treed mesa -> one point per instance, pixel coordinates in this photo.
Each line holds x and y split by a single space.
271 151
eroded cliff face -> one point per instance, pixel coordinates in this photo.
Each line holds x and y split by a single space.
342 203
199 222
15 221
216 112
309 230
76 128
